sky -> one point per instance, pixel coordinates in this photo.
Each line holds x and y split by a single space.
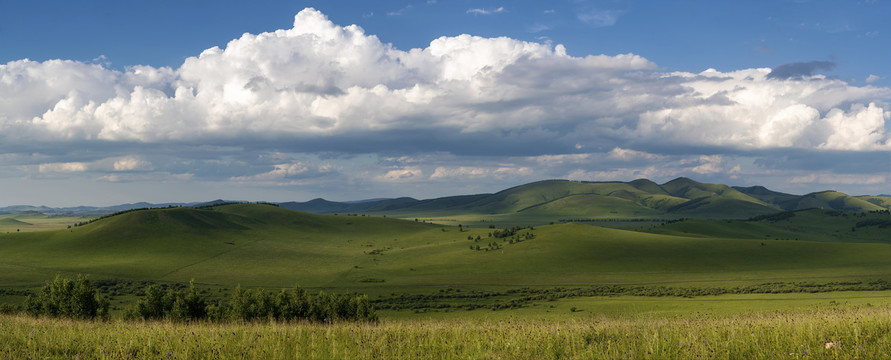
111 102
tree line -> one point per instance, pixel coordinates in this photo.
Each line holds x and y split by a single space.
456 299
77 299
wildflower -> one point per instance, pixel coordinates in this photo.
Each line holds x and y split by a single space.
830 345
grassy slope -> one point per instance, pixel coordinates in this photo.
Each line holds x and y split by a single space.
882 201
832 200
551 200
554 200
260 245
809 225
33 221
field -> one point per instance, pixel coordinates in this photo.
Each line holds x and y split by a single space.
31 221
860 332
781 285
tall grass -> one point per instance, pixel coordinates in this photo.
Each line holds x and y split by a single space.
863 332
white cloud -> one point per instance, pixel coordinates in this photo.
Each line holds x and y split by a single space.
872 78
321 88
500 9
599 18
131 163
628 154
620 174
63 167
321 79
288 171
405 174
562 159
475 172
746 110
709 164
839 179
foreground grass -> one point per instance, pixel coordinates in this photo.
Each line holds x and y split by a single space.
863 332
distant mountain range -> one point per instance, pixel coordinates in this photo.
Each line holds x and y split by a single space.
642 198
96 210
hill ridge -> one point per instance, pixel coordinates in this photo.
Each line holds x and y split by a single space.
679 197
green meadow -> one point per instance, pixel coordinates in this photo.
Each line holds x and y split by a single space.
853 332
32 221
263 245
777 285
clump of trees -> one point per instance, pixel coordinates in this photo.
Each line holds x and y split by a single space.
77 299
251 305
174 304
71 298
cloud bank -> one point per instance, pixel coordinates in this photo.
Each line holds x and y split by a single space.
320 91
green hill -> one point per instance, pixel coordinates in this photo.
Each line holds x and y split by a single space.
263 245
883 201
767 196
831 200
802 225
548 201
13 222
557 199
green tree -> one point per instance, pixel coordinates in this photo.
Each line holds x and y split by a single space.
152 305
65 297
190 306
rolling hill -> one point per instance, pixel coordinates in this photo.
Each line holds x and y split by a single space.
265 245
797 225
548 201
545 201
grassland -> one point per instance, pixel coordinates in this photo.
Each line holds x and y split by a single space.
33 221
262 245
548 201
860 332
776 278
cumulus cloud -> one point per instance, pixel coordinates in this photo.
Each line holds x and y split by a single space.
747 110
709 164
319 87
321 80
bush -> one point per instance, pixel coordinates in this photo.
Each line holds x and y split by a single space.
252 305
64 297
153 305
8 309
190 306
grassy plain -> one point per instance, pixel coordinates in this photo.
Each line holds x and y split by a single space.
856 332
267 246
391 259
32 221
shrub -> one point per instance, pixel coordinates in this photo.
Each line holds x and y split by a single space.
8 309
64 297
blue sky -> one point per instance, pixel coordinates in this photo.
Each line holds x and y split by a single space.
286 100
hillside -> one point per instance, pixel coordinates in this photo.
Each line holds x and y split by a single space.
540 202
552 200
264 245
798 225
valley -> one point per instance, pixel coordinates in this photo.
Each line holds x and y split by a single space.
559 239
